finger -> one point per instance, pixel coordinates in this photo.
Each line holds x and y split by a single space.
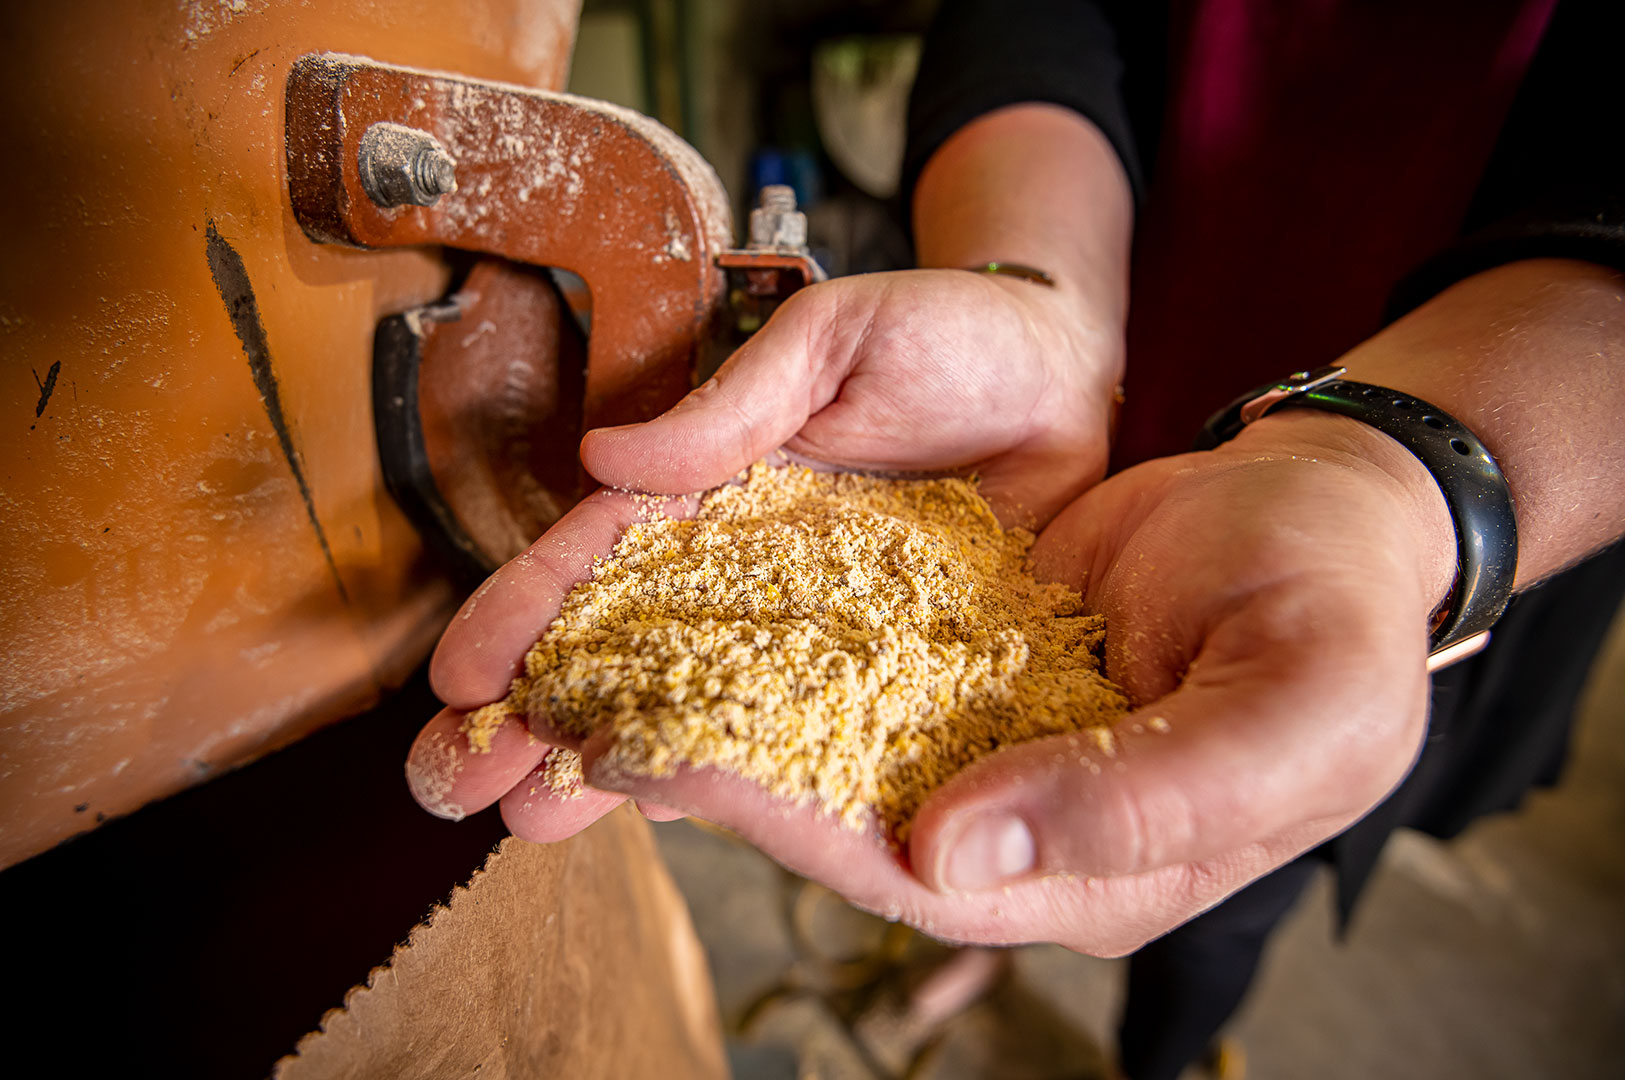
1248 747
482 650
859 865
656 812
451 780
536 811
1093 915
756 401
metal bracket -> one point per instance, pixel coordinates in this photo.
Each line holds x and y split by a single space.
381 156
776 264
477 408
542 178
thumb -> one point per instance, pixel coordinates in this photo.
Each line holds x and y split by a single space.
1291 737
755 403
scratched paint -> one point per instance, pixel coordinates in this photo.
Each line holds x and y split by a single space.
237 292
47 387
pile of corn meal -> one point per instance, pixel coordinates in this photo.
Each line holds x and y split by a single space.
844 640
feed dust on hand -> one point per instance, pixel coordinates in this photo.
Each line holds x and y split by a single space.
846 641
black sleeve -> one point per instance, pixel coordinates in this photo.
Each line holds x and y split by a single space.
981 55
1555 184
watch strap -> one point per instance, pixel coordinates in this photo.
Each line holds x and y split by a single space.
1474 489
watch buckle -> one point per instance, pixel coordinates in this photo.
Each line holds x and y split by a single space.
1461 650
1298 382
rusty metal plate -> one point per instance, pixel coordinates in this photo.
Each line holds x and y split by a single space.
542 178
478 405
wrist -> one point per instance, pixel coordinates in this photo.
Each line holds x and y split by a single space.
1082 344
1350 444
1031 183
1082 328
1527 355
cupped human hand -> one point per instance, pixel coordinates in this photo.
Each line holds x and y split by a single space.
477 659
1266 604
916 371
913 371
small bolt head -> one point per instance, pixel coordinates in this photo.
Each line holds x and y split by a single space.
402 166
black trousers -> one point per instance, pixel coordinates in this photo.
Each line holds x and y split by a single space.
1183 986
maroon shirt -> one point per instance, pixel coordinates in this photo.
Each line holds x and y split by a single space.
1312 154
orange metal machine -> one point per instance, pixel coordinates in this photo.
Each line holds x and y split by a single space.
272 321
280 360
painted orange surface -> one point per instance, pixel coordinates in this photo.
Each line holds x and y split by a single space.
174 603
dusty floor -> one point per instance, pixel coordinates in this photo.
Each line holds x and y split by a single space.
1502 955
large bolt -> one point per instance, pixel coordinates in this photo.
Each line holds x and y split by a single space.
402 166
776 223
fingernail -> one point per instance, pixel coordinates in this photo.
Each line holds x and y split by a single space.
990 851
431 769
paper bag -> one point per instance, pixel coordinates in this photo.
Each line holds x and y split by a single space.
573 960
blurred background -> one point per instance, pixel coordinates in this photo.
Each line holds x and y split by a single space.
810 93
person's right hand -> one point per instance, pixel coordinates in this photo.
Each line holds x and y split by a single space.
914 371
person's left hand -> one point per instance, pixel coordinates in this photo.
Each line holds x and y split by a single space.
912 371
1266 603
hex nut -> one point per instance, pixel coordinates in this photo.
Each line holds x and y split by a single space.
776 224
402 166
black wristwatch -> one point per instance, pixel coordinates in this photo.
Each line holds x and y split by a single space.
1472 484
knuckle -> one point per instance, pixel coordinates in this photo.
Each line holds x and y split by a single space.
1102 828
